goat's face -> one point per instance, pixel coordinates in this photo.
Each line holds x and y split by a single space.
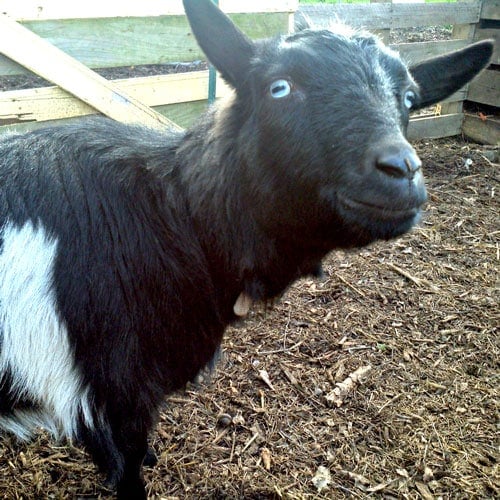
330 114
321 120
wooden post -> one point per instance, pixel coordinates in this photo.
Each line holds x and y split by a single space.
484 91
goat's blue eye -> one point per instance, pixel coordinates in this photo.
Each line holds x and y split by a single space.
409 99
280 88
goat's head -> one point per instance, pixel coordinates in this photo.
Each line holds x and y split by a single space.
322 119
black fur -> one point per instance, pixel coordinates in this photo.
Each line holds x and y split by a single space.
9 401
159 233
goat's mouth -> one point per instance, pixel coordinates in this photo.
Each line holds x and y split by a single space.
381 216
378 212
366 212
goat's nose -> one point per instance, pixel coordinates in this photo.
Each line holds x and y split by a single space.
401 163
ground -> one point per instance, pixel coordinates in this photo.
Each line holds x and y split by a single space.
419 316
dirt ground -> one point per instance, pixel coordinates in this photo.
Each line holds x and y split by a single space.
381 380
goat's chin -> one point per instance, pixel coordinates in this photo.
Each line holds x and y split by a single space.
357 223
364 224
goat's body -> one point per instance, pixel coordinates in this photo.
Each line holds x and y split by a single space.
36 390
101 271
123 283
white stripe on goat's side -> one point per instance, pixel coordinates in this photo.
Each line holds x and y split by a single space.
35 348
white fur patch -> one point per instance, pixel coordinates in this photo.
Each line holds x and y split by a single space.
23 422
35 348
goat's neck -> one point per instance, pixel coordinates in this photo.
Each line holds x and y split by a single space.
242 255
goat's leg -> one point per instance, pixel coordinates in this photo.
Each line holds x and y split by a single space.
130 431
119 447
131 484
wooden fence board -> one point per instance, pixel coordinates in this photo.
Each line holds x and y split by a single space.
183 114
434 14
482 131
434 127
491 10
53 103
390 15
494 34
106 43
38 55
38 10
413 53
485 88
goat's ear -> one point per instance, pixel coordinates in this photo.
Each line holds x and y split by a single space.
226 47
441 76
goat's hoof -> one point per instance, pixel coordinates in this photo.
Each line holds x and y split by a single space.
110 482
128 491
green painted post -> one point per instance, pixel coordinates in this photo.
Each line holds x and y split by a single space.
212 77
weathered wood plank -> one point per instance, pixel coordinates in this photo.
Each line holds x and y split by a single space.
39 56
459 32
23 127
389 15
434 14
482 131
464 31
38 10
53 103
491 10
485 88
434 127
383 34
106 43
184 114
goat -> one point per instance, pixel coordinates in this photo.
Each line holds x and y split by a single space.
125 252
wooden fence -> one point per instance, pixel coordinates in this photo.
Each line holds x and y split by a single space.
131 33
97 34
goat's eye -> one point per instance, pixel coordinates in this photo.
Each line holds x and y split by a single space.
409 99
280 88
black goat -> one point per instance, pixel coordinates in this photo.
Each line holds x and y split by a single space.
125 252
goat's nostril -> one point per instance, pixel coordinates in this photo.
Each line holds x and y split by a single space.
399 165
392 169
